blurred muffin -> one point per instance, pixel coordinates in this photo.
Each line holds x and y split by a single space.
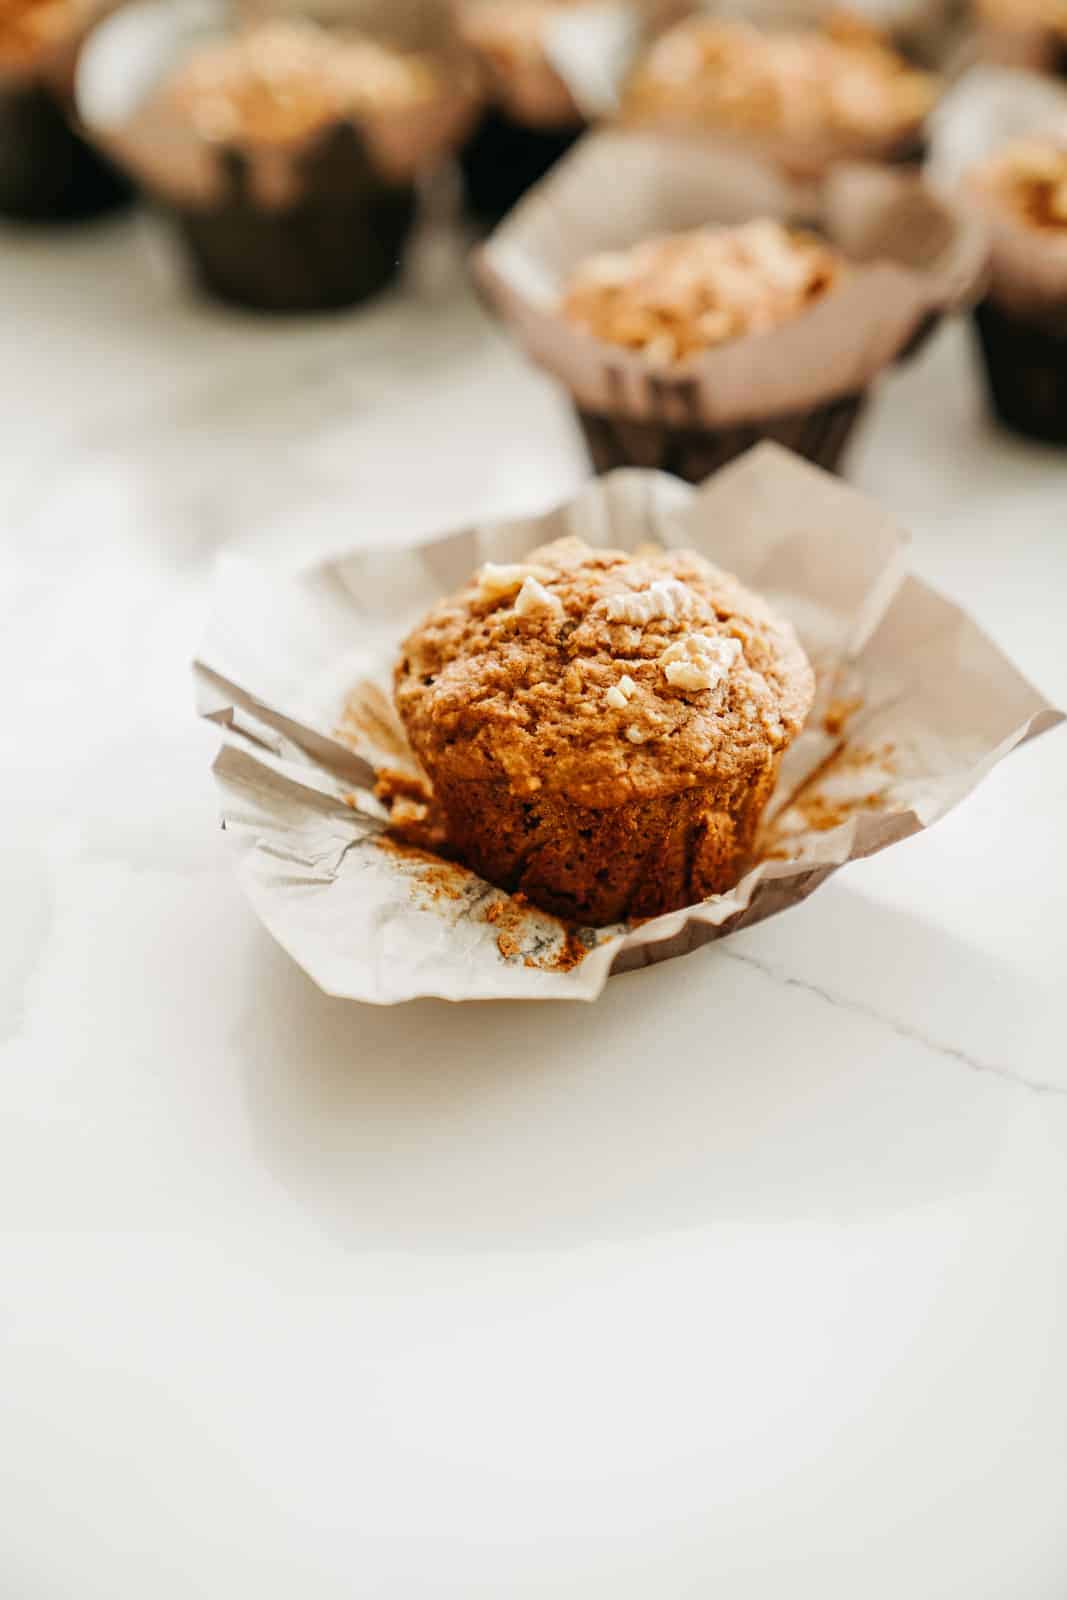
531 118
603 730
809 96
47 171
1022 323
334 235
675 297
288 154
1024 33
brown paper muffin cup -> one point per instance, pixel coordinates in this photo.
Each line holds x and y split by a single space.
914 257
48 171
1021 325
504 158
1026 368
338 242
314 224
820 435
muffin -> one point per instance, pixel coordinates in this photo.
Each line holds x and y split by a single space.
286 86
287 154
531 118
807 96
1022 323
47 171
661 282
1024 33
674 297
603 731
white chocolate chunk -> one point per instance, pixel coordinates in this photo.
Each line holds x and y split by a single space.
620 694
496 581
699 662
666 597
534 599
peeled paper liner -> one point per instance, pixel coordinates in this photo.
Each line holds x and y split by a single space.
915 256
130 56
914 705
988 108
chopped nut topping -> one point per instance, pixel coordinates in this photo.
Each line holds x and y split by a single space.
621 693
534 599
665 597
675 295
698 662
281 79
844 80
499 580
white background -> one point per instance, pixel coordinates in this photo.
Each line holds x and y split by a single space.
747 1282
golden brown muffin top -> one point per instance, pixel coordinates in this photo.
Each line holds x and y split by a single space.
28 27
682 293
606 676
707 73
1027 178
278 81
1050 14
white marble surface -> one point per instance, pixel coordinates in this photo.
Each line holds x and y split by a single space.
750 1281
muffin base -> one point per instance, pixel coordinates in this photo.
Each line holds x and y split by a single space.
504 158
340 243
694 453
601 865
48 173
1026 369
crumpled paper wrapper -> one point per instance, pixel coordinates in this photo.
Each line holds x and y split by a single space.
127 58
914 705
916 257
988 108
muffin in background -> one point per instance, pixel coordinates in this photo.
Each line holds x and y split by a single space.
47 170
287 154
1022 322
1023 33
663 283
808 96
531 118
603 731
675 296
